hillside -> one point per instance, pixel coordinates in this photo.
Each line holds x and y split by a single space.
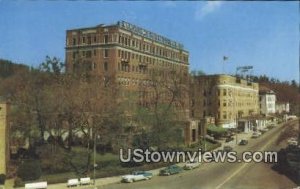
8 68
285 91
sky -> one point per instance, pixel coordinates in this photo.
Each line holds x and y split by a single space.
264 35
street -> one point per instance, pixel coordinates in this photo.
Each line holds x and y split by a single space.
224 175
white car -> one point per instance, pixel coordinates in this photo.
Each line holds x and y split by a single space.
191 164
136 176
255 135
259 133
292 141
264 130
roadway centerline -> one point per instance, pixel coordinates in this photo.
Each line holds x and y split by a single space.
247 164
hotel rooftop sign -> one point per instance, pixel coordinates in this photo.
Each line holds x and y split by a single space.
150 35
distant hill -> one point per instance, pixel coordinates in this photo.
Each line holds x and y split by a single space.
8 68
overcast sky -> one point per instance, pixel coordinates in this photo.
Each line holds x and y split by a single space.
262 34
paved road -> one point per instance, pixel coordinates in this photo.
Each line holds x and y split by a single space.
223 175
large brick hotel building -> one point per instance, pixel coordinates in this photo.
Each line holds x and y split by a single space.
128 54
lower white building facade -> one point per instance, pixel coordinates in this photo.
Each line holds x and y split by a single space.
267 102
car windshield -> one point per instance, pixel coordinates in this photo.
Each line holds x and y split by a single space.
136 173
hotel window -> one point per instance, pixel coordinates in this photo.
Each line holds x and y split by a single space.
105 53
74 41
129 42
105 66
88 54
83 39
224 92
224 115
105 39
115 37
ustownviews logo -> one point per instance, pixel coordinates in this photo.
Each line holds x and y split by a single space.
148 156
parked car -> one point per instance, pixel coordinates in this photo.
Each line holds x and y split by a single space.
170 170
209 137
229 139
227 148
259 133
292 141
136 176
191 164
255 135
243 142
272 125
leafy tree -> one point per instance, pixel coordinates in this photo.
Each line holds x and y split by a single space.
161 108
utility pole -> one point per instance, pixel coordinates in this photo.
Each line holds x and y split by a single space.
236 128
94 164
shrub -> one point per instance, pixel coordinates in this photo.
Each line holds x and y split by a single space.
29 170
2 179
53 159
18 182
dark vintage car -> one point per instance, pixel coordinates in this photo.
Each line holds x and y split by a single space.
170 170
229 139
227 148
243 142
